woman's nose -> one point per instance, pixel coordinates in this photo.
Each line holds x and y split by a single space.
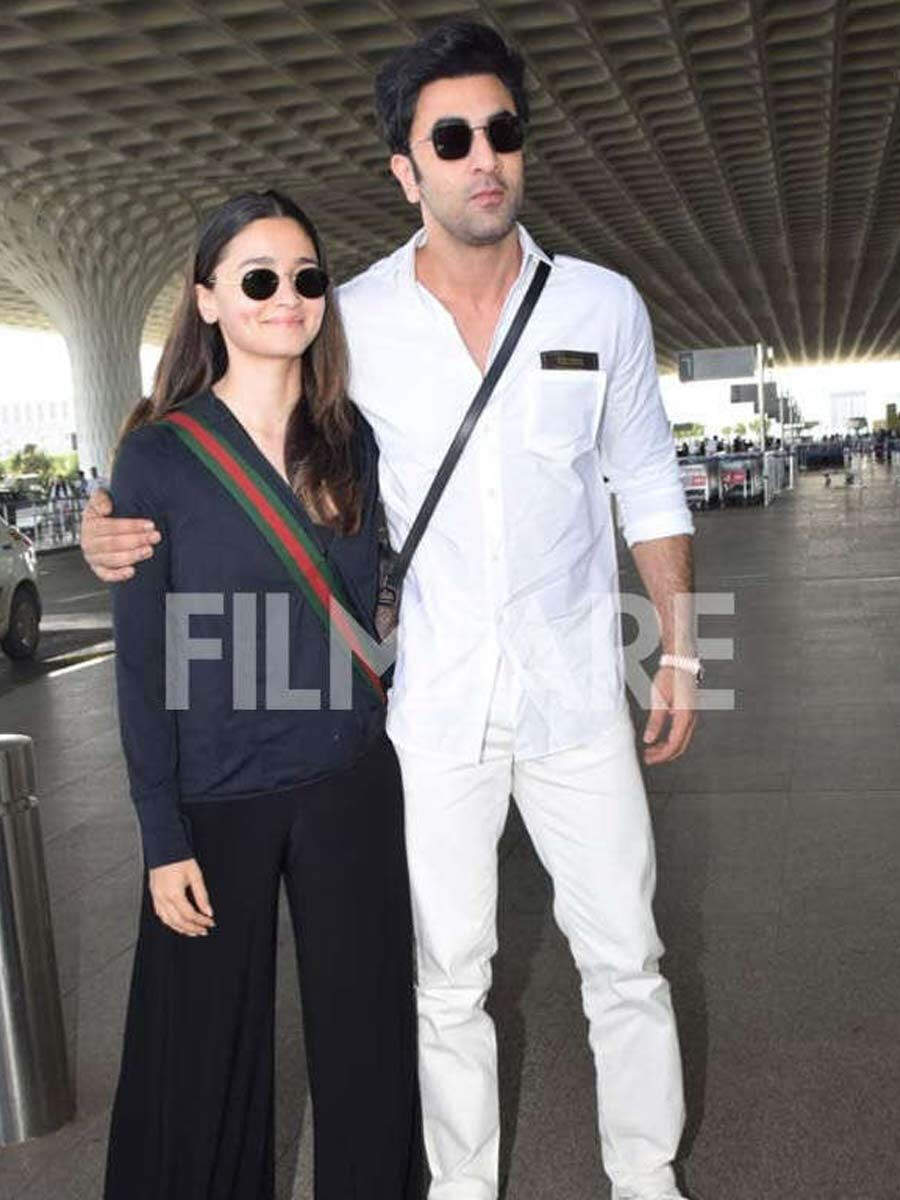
286 292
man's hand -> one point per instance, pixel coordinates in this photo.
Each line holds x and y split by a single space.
673 700
179 898
111 545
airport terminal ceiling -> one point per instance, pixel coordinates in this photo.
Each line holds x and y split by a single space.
740 161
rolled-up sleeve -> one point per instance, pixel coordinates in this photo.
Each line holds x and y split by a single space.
149 730
637 453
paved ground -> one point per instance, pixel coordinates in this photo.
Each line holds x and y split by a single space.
779 900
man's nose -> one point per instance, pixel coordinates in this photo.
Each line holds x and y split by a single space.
482 154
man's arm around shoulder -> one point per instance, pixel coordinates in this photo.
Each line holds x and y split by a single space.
112 545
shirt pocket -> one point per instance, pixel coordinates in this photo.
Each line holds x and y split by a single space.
563 412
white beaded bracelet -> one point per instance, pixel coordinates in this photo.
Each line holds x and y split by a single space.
681 662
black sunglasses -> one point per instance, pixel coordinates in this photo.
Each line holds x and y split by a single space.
452 136
261 283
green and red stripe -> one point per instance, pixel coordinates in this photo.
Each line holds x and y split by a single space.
284 533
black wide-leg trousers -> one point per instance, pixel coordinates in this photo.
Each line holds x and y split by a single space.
193 1115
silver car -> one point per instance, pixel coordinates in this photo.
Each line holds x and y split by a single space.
20 600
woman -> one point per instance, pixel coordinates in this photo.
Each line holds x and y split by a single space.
261 476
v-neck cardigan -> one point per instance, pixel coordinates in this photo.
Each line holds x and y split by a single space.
210 553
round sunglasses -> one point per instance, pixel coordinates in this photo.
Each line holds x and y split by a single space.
261 283
452 136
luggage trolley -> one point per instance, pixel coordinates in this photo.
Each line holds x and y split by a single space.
700 480
741 478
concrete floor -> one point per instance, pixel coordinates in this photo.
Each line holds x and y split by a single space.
779 900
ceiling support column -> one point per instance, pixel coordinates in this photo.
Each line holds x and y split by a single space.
94 268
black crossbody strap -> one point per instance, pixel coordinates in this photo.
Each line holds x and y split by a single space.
470 420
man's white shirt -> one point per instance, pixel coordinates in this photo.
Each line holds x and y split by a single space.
519 557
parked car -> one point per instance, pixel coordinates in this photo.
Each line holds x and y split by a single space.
7 503
25 498
20 600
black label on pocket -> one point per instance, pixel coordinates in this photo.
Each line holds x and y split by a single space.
569 360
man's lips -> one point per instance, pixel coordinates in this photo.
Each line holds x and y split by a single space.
489 196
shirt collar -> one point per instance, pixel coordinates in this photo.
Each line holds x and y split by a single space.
530 248
406 259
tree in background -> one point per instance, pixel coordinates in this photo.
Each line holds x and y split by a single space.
32 461
688 429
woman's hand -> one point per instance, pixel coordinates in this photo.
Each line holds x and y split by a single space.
179 898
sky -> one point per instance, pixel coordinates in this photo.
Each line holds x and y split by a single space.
36 379
825 393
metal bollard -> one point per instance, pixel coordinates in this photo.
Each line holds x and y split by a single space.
36 1094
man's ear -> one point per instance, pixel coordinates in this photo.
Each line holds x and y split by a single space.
402 170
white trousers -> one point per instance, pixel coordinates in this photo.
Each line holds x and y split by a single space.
586 813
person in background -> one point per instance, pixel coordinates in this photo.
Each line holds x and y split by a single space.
95 481
59 489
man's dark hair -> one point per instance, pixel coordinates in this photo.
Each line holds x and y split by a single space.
451 51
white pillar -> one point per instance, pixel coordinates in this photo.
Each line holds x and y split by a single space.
94 266
104 342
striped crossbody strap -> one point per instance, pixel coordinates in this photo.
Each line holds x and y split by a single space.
301 557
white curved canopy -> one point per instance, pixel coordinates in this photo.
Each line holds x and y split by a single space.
739 160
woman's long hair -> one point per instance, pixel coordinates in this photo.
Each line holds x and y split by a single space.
318 453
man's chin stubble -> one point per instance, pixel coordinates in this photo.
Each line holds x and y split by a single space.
473 236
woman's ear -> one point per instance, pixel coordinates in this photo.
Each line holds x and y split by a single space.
206 303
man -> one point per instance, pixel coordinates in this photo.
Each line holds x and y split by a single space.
96 482
509 676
